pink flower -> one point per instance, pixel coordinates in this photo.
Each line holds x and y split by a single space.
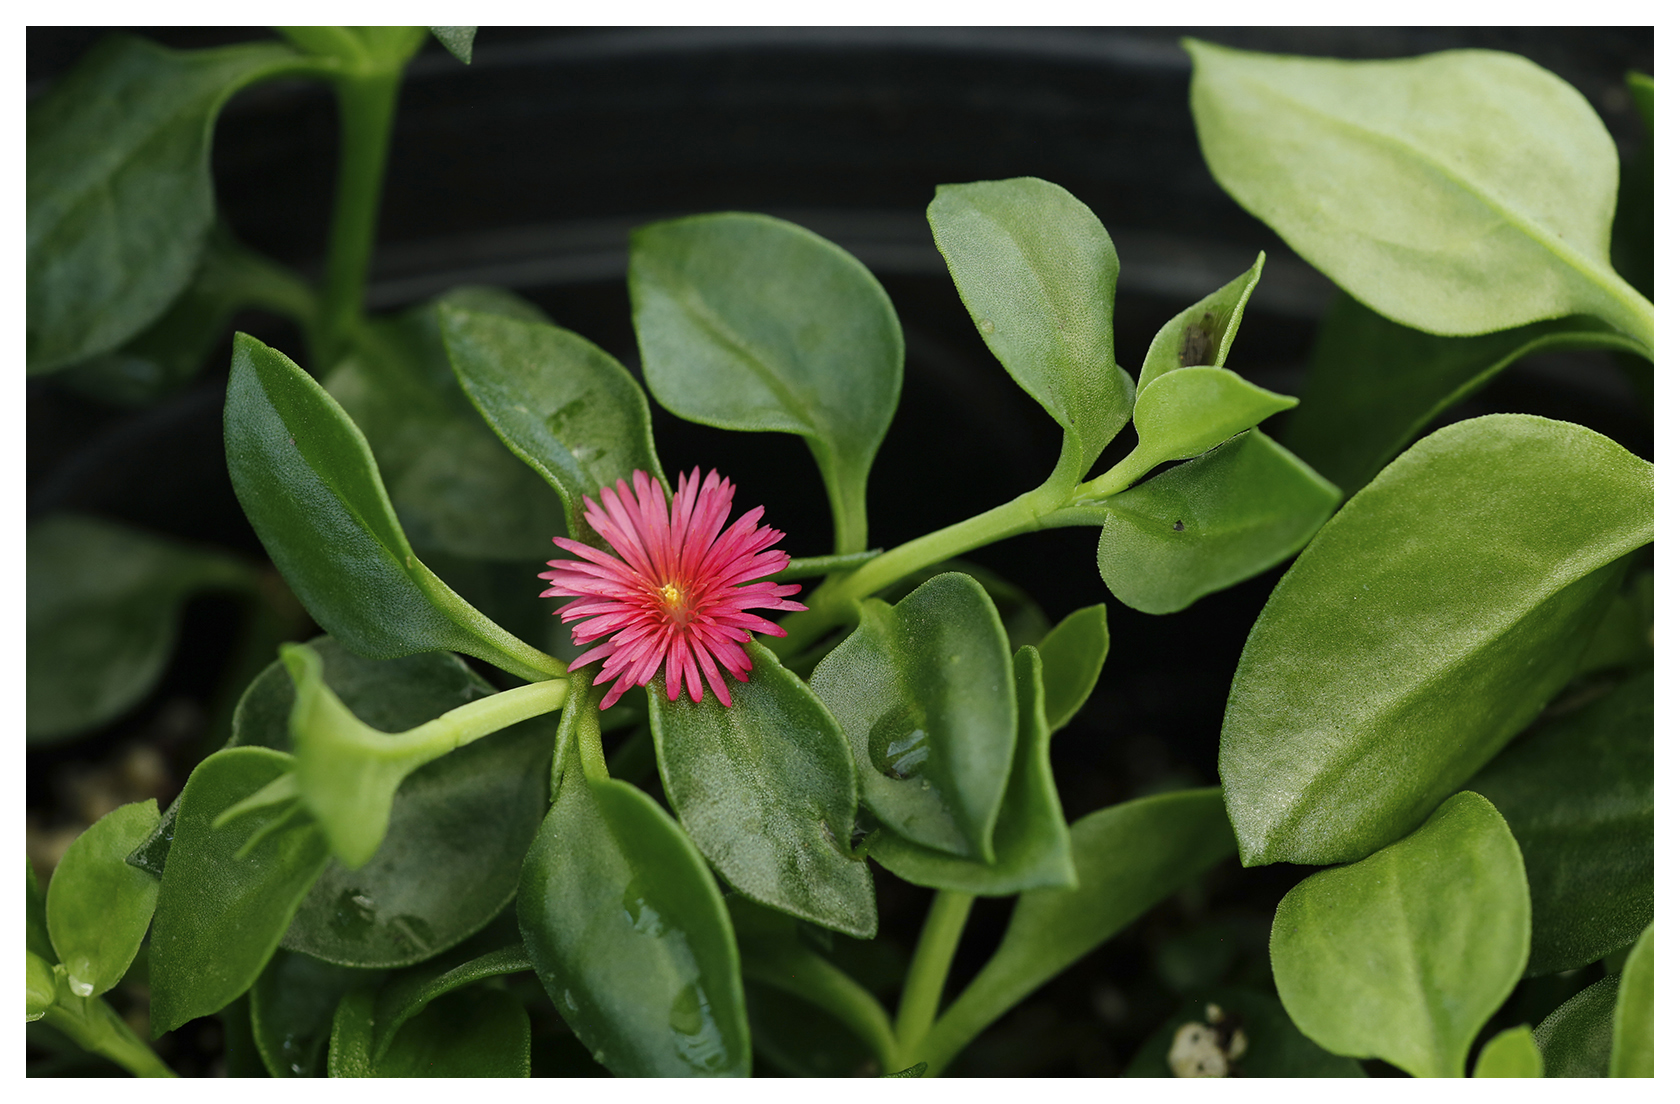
680 593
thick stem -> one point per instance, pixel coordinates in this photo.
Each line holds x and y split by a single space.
367 102
96 1027
924 985
478 719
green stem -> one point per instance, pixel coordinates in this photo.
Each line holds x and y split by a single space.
95 1026
367 103
1133 467
588 736
924 985
478 719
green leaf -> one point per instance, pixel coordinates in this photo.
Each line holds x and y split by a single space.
118 188
98 907
629 934
766 790
1128 857
104 603
1073 653
292 1006
453 485
457 40
1405 954
1511 1053
1575 1040
409 993
459 827
1373 384
1201 334
309 485
1425 625
1210 523
558 402
1578 795
167 354
41 983
361 51
917 1070
924 690
1036 270
1633 1049
1031 842
477 1032
1272 1046
36 935
350 1046
1188 411
1458 193
229 892
747 322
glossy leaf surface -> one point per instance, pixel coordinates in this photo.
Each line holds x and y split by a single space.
459 827
1274 1047
1423 627
629 935
1031 841
1511 1053
98 907
1128 857
924 691
1187 412
1634 1046
1073 653
1459 193
751 323
1373 385
766 790
292 1005
104 602
228 893
1210 523
1405 954
1036 270
1201 334
309 485
1578 794
118 188
1575 1040
561 404
453 485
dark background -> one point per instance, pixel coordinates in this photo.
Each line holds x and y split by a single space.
528 168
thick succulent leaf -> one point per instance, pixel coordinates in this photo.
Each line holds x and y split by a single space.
1201 333
629 934
1578 794
1405 954
457 40
925 692
1373 385
558 402
98 907
479 1032
453 485
1073 654
408 993
1575 1040
1458 193
228 892
747 322
1273 1046
1633 1048
41 983
103 605
292 1005
310 487
1425 625
1128 857
118 187
36 935
1210 523
1031 842
1036 270
1511 1053
1186 412
766 790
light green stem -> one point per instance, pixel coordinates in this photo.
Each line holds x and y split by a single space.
924 985
95 1026
475 720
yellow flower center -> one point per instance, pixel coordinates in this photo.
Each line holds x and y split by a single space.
675 602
